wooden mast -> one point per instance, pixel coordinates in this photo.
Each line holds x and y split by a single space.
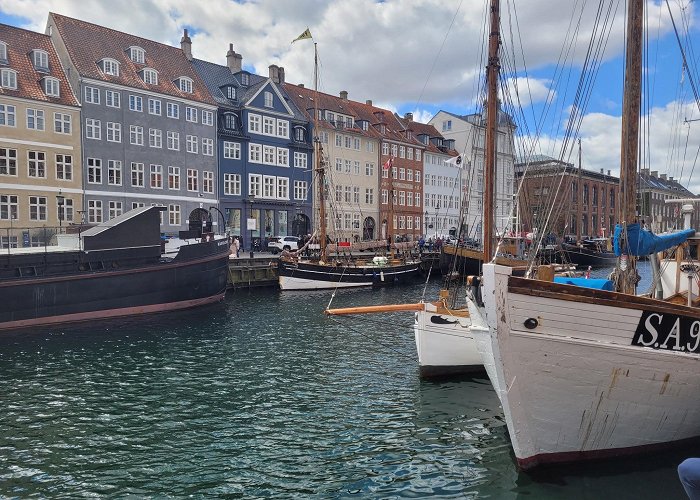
491 129
631 107
579 199
319 167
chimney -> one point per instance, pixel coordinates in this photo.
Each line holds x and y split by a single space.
670 178
301 85
233 61
602 171
186 45
368 102
655 173
645 171
344 95
274 73
282 75
609 171
408 116
663 177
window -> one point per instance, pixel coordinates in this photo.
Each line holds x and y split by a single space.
385 197
254 123
64 167
269 155
409 175
155 138
114 132
92 95
52 87
8 78
37 208
115 209
255 184
62 123
418 199
35 119
348 194
114 172
113 99
192 144
136 135
174 218
402 151
282 188
300 190
409 155
300 160
418 155
150 76
192 180
338 193
282 157
207 147
232 184
8 161
356 194
137 54
207 118
232 150
154 107
230 121
41 59
3 52
254 153
172 110
283 129
36 164
207 181
94 211
174 178
136 103
110 67
402 174
300 133
369 196
348 166
268 99
268 186
157 176
137 175
385 149
268 125
136 204
173 140
94 173
231 93
9 204
191 114
185 84
7 115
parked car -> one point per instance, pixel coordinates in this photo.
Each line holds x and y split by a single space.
278 243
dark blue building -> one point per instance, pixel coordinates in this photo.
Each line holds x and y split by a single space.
264 150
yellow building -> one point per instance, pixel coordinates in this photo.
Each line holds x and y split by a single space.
40 160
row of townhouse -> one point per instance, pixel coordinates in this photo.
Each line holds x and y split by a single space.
95 122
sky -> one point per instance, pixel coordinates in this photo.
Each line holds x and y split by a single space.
422 56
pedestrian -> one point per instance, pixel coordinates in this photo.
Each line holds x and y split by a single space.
689 474
421 244
237 244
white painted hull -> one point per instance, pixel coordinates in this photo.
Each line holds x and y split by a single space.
295 283
575 387
444 343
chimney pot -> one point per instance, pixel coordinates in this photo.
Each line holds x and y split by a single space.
654 173
344 95
608 171
368 102
233 61
274 72
408 116
186 45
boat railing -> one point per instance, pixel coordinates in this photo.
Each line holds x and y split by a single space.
19 238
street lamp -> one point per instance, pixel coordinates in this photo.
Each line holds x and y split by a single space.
425 223
437 209
60 200
251 222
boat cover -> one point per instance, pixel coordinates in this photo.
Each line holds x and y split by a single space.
644 242
597 283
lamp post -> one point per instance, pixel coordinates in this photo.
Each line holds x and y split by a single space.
60 200
425 223
437 209
251 222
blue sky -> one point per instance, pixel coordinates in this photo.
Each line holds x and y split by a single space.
421 56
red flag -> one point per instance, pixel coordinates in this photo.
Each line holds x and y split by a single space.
387 164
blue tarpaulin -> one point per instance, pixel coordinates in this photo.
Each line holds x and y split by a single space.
642 242
598 284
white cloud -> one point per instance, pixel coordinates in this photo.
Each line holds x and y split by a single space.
529 90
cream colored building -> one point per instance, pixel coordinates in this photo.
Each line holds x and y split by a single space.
40 152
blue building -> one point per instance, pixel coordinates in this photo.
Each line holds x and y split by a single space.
264 149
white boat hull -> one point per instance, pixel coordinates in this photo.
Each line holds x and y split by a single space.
444 343
575 386
296 283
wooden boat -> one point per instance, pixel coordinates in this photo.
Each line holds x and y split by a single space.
585 372
116 268
591 252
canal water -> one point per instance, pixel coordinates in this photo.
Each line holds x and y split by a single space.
263 396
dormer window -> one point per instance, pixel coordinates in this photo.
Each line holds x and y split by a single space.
230 121
364 124
268 99
299 134
3 53
41 59
245 79
110 67
8 79
349 122
231 93
51 87
185 84
150 76
137 54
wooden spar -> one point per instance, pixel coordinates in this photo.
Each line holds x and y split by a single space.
631 106
491 129
375 309
319 167
579 197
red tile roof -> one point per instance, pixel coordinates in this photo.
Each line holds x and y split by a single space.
20 44
88 44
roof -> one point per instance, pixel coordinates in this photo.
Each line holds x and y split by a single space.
215 76
20 44
419 129
477 118
87 44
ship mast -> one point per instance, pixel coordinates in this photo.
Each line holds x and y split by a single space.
631 106
319 167
491 129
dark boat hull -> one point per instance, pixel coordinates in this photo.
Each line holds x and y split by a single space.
584 257
313 276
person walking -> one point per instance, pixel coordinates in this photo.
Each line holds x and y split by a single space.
237 245
689 474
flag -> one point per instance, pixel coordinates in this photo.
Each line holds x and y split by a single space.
455 161
387 164
306 34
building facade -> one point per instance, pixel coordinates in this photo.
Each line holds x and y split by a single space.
40 154
265 152
657 209
148 124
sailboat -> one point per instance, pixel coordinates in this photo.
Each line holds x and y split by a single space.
298 272
586 372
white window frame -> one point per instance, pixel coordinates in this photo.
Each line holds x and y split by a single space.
232 184
173 140
110 66
8 78
113 99
174 178
155 138
40 58
52 87
35 119
93 129
136 135
185 84
138 173
114 132
92 95
114 172
137 54
149 76
172 110
154 107
191 114
94 170
232 150
207 146
62 123
207 118
192 144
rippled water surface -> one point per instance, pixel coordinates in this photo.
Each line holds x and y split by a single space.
263 396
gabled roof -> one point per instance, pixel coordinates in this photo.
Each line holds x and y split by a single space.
87 44
394 129
418 129
20 44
